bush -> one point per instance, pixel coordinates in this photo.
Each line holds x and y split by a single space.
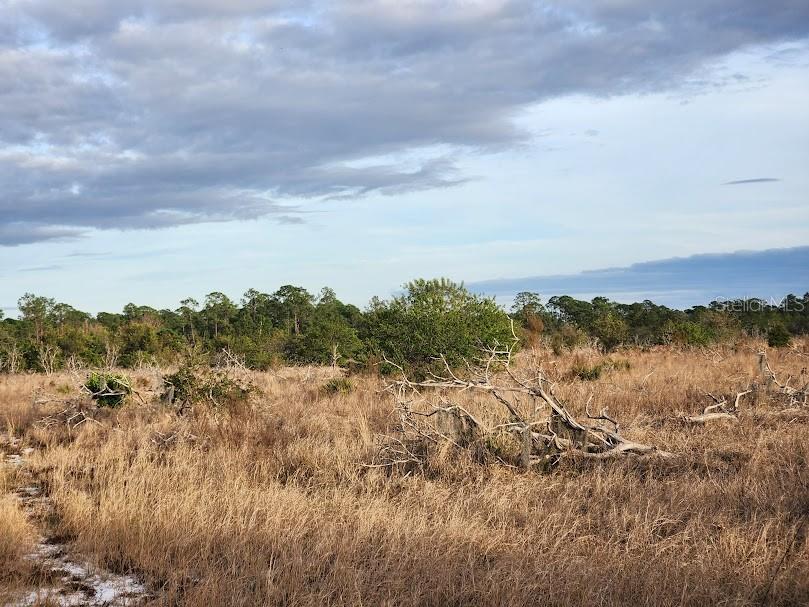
432 318
108 389
586 372
338 385
778 336
620 364
611 330
688 333
568 337
197 383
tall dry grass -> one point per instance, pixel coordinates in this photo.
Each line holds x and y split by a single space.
270 504
16 538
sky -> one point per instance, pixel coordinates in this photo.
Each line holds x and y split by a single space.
679 282
156 150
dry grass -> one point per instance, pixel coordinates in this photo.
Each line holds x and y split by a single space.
16 537
16 540
270 504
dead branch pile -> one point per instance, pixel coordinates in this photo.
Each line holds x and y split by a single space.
791 399
794 397
526 409
169 439
720 410
76 413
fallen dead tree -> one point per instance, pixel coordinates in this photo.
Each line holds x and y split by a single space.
718 411
75 413
794 397
793 401
526 409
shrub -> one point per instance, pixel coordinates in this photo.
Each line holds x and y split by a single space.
587 372
688 333
329 339
567 337
197 383
620 364
338 385
778 336
611 330
108 389
528 311
432 318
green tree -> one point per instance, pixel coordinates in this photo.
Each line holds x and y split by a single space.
296 305
566 309
257 313
778 336
329 338
188 313
610 329
138 340
37 312
531 315
433 318
218 311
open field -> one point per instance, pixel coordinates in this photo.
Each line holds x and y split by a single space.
273 502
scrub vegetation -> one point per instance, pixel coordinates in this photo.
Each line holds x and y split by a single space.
532 463
292 326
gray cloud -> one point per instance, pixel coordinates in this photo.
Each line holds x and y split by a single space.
157 113
41 268
754 180
679 282
139 254
289 220
16 233
88 254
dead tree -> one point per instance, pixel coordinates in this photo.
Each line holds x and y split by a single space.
74 364
111 351
795 397
545 430
75 413
12 360
48 356
720 410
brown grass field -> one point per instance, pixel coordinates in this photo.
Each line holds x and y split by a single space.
271 502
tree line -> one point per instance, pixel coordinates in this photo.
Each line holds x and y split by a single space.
429 317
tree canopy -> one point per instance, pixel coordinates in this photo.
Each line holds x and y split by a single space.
426 319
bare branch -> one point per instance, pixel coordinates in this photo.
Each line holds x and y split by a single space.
565 436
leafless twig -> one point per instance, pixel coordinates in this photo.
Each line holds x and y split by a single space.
426 418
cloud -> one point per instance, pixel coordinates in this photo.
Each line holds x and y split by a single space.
118 256
41 268
148 114
680 282
16 233
755 180
89 254
289 220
